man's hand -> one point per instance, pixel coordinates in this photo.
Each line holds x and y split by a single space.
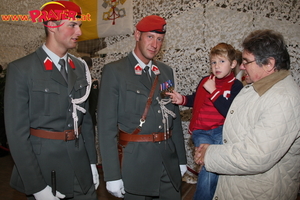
95 175
210 84
200 153
116 188
46 194
175 96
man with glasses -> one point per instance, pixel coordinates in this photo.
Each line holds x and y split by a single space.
260 157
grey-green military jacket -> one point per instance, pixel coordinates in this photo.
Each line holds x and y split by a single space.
37 96
122 99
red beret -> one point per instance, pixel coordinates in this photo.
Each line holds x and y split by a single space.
152 23
62 6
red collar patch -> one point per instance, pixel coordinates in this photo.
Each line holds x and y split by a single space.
138 70
48 64
155 70
71 63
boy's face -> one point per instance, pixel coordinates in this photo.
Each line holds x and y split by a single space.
221 66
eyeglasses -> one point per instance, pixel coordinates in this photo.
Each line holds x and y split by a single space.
246 63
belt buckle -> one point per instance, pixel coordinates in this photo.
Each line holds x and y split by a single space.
154 137
67 135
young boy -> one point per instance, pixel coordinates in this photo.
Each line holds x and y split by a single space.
210 103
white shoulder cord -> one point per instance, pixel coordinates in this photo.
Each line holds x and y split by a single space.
165 112
82 99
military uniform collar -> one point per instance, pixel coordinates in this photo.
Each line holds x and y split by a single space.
53 57
141 64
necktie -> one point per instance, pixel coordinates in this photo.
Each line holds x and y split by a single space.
146 70
63 70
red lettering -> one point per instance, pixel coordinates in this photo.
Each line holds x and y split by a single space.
40 16
5 17
72 15
88 16
34 14
64 15
14 18
43 16
58 13
51 15
24 17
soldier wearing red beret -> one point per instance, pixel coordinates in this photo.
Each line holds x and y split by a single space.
150 138
49 128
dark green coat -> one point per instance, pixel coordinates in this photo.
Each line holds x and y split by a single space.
122 100
39 98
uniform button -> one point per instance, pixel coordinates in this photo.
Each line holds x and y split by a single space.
46 90
216 198
159 126
80 86
232 111
70 95
225 141
159 111
138 91
69 125
70 110
247 86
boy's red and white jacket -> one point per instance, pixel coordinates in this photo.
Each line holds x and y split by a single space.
209 110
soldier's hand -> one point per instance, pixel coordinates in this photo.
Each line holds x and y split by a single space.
116 188
46 194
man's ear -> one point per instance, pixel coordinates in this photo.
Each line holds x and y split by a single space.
137 35
271 65
51 24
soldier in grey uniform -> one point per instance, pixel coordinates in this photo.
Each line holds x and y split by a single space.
47 123
154 158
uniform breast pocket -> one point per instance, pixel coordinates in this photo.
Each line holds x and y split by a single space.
44 95
136 98
80 88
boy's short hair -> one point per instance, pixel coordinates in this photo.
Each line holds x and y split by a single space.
225 50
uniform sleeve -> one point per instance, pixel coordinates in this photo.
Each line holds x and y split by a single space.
16 106
107 123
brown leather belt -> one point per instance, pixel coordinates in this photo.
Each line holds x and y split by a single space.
154 137
65 135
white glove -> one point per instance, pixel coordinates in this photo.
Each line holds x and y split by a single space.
183 169
95 175
46 194
116 188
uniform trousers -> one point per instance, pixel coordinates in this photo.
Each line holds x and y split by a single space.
166 190
78 194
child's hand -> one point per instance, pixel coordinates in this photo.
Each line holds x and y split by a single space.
175 96
210 84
